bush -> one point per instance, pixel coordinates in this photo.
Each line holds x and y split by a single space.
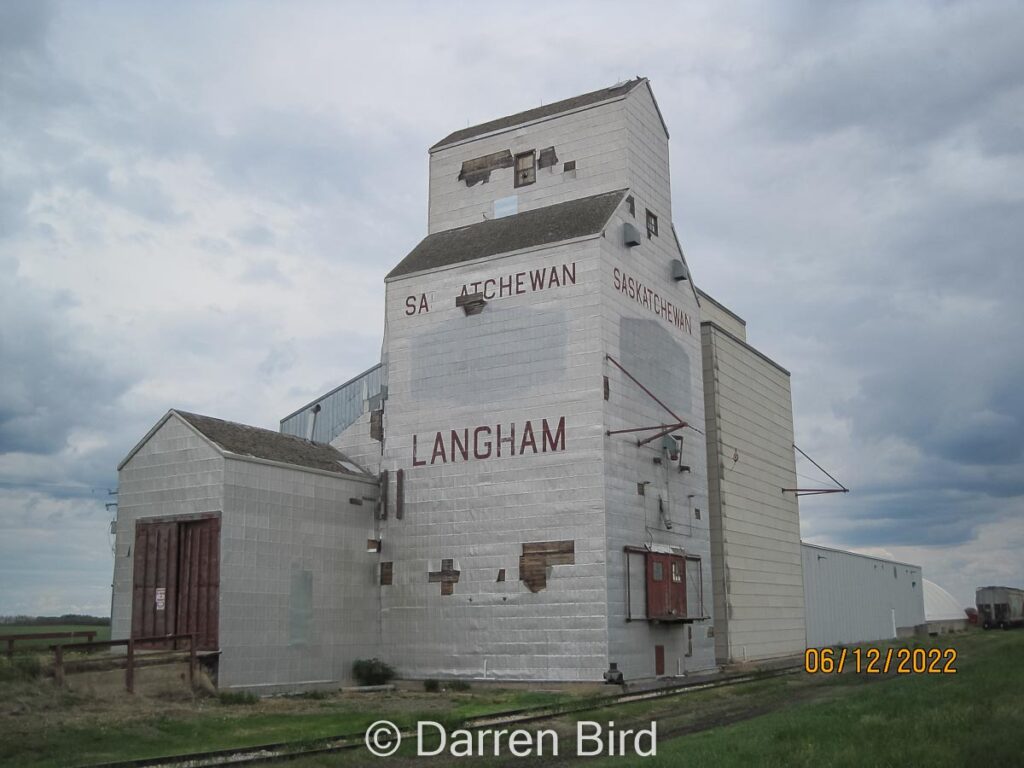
237 697
372 672
20 668
458 685
431 686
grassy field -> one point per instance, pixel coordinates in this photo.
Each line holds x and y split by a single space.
102 633
975 717
801 720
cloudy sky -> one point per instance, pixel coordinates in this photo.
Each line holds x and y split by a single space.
199 202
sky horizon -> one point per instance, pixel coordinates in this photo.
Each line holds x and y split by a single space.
198 206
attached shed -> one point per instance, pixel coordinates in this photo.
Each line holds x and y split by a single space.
854 598
255 541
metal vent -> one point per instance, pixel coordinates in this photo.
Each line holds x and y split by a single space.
630 235
679 271
471 303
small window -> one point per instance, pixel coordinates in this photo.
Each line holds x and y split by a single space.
657 571
569 166
631 204
526 168
677 572
386 573
652 224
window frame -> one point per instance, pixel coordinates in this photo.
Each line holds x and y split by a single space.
652 218
532 154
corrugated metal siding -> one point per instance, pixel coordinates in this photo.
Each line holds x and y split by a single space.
755 529
850 598
340 407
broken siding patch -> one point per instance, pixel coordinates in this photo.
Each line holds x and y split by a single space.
479 169
538 555
547 158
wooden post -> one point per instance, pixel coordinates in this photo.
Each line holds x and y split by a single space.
10 647
129 670
58 665
192 661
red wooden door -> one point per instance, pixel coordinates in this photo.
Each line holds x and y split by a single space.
199 581
659 659
666 586
176 582
155 580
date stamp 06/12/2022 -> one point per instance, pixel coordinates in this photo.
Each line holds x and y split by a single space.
880 661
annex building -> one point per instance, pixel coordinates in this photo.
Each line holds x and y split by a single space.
567 459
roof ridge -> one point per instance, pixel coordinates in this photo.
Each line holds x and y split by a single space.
580 101
542 226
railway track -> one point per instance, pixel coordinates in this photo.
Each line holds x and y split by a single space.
284 751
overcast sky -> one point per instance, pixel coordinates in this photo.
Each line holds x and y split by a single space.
199 203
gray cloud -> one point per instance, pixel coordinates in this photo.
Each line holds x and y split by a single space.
50 385
197 210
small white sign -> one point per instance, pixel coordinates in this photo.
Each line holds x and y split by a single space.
161 598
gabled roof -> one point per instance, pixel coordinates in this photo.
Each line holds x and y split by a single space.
242 440
548 110
541 226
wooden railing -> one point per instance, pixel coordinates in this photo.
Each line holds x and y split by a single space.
11 639
130 644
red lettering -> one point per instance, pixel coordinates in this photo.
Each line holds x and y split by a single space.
537 279
519 283
552 442
569 274
438 450
416 462
410 305
553 278
505 288
476 443
528 439
615 279
462 445
511 440
486 294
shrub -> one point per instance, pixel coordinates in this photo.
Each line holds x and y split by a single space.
20 668
237 697
458 685
431 686
372 672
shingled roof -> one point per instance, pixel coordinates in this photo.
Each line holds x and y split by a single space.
565 105
541 226
243 440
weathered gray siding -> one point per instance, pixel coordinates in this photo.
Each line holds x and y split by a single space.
666 359
714 312
594 138
284 529
527 357
755 527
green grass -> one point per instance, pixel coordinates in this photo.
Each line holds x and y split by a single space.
219 723
102 633
975 717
